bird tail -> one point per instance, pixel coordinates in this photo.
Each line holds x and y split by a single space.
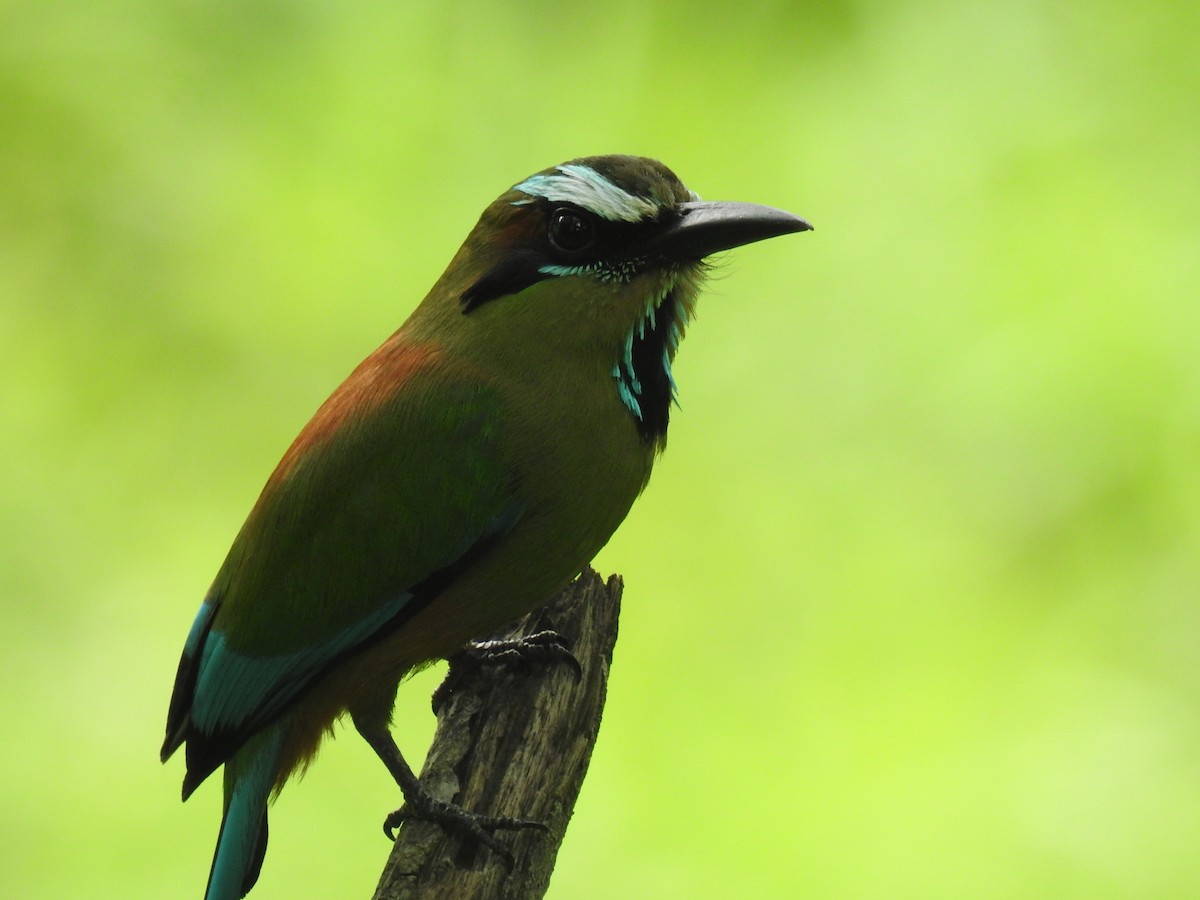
242 841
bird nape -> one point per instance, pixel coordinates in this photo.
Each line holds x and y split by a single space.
466 471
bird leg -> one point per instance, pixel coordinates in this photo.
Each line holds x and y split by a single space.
539 648
420 804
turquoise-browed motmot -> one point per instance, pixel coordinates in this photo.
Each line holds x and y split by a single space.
467 470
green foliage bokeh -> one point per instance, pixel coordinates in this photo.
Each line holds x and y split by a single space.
911 602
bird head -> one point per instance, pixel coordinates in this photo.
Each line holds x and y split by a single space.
597 262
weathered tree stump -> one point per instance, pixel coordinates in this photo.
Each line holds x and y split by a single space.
512 741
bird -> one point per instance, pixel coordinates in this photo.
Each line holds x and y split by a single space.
466 471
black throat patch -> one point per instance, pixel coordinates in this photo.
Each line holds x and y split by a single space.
643 369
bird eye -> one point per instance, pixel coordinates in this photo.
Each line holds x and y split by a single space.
570 231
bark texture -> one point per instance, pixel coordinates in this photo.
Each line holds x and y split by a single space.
512 741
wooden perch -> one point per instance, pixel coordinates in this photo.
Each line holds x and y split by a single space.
512 741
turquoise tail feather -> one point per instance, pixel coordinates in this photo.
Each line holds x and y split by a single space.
242 841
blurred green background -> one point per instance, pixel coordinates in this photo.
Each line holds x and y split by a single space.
911 605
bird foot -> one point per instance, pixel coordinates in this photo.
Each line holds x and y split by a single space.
540 648
456 820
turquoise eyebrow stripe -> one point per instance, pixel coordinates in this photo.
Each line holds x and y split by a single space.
584 186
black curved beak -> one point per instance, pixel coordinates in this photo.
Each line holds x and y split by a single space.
708 227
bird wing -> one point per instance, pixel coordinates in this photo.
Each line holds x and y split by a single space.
396 483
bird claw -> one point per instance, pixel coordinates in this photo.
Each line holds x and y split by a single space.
540 648
456 820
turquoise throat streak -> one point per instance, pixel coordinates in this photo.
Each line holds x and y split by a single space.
642 372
